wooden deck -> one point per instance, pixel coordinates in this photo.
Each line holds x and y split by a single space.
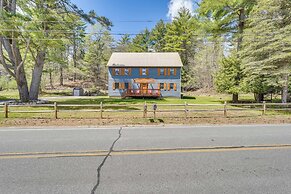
151 93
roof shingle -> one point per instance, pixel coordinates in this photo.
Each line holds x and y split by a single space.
145 60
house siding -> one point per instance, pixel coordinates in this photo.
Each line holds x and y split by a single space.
152 73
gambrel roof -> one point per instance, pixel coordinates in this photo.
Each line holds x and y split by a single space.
145 60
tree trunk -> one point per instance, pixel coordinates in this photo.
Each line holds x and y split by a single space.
61 77
235 98
285 89
22 86
75 57
259 97
51 80
36 76
241 25
16 66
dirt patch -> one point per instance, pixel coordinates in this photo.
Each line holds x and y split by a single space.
148 121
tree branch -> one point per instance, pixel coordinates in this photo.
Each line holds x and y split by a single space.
25 54
2 60
8 48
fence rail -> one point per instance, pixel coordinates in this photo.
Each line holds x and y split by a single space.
144 109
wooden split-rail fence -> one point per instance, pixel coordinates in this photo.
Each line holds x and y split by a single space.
144 109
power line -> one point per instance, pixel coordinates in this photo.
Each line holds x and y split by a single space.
134 34
118 21
66 39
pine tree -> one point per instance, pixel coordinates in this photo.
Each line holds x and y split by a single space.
229 75
98 51
266 54
158 36
226 16
124 43
180 37
141 42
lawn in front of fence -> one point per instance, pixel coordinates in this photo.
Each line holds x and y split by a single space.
203 106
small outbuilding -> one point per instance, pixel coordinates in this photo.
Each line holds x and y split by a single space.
78 91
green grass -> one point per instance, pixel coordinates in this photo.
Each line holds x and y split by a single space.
13 94
8 95
110 100
63 97
196 99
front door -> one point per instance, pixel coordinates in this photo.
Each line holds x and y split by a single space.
144 88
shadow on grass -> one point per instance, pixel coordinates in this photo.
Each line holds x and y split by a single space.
125 107
189 97
156 120
56 93
2 98
161 120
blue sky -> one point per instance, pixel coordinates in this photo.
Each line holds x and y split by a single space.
119 11
128 16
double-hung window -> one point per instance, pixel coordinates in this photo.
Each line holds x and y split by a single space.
144 71
171 86
116 86
162 86
172 71
162 71
117 71
126 71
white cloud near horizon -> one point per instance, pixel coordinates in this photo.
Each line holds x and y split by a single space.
176 5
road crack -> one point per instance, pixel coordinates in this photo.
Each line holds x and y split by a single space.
103 162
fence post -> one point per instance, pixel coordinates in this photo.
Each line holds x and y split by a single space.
6 110
264 107
225 109
145 110
155 107
185 106
56 110
101 110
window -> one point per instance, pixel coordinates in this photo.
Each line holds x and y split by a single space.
162 71
171 86
117 71
116 86
172 71
126 85
162 86
144 71
126 71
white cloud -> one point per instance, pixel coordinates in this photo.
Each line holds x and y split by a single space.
176 5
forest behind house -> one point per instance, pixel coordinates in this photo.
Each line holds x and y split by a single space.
230 46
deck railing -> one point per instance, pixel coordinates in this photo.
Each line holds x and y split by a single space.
142 92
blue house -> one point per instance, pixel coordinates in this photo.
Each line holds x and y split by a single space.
144 75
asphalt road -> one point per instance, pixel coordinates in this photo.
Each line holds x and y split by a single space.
225 159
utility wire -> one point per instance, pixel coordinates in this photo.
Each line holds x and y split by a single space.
121 21
66 39
132 34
